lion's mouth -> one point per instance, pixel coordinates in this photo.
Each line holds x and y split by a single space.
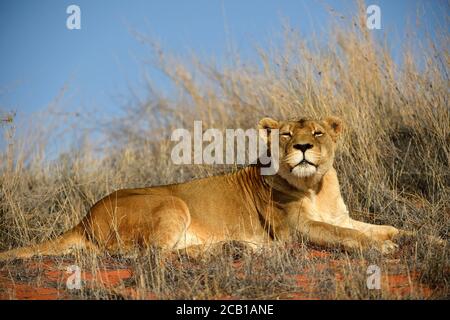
304 162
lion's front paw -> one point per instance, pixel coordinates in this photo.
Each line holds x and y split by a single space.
388 247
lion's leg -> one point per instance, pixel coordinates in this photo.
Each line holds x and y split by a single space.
377 232
127 223
63 244
170 222
385 232
326 234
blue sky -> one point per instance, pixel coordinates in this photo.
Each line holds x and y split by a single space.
39 55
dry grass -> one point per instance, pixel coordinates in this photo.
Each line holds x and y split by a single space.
393 162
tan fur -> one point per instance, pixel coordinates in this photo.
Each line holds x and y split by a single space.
245 206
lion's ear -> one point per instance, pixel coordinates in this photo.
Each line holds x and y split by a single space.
336 126
268 124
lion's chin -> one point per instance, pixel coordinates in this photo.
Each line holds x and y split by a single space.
304 170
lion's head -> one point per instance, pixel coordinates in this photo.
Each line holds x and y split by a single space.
306 147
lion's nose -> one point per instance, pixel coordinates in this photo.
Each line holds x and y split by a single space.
303 147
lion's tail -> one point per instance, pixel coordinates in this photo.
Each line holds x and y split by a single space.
63 244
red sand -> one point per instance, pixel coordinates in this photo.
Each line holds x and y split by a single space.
43 280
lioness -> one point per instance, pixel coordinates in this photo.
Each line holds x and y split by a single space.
303 197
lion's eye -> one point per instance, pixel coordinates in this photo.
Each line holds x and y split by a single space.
286 134
317 133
